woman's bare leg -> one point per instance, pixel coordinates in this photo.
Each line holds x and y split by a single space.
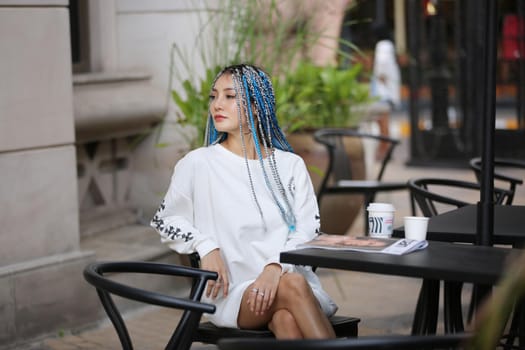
283 325
294 295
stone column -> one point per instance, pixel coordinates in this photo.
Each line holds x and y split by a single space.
40 263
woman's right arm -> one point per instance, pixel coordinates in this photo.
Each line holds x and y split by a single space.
174 218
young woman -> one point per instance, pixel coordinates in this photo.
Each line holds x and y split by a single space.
240 201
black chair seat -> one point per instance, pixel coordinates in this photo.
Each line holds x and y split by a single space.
345 326
207 332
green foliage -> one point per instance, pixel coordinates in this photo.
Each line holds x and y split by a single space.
497 310
313 96
194 103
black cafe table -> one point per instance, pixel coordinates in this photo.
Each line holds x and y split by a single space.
440 261
459 225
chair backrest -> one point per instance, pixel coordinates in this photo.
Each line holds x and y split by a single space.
499 165
392 342
339 166
433 195
95 274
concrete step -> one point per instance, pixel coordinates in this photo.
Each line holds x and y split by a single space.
136 243
129 242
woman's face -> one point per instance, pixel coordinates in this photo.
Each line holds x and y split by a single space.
223 106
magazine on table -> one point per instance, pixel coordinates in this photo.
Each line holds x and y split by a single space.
395 246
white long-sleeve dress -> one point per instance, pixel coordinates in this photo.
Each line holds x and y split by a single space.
209 204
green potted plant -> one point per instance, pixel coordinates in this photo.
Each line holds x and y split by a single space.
310 97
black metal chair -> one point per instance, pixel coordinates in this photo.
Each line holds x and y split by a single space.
433 196
500 164
339 179
182 337
207 332
391 342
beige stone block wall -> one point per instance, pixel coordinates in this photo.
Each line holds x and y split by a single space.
38 211
45 295
36 97
39 214
40 261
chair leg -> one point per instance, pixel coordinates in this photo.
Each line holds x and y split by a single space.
453 316
427 308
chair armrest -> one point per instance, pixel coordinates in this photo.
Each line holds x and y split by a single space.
94 274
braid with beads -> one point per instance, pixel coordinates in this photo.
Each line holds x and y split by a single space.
256 100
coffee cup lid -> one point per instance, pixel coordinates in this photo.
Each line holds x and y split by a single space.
380 207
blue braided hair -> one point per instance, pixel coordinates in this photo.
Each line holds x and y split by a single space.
256 100
261 93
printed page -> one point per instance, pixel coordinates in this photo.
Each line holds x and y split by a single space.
365 244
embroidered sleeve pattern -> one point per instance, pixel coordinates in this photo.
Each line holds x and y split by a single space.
318 220
168 231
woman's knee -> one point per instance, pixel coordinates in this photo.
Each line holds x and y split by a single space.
294 285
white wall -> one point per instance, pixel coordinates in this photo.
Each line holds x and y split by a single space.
146 31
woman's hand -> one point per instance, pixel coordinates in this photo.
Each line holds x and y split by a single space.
262 291
213 262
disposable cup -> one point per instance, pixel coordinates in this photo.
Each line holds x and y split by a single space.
380 219
416 227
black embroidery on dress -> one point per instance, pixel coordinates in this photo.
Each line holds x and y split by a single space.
170 231
318 228
291 187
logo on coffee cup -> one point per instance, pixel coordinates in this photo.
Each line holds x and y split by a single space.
380 219
380 225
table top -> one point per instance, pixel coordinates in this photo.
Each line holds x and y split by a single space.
459 225
439 261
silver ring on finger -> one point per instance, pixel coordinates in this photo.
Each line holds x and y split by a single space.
261 294
255 290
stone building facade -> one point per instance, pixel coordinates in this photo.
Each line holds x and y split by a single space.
78 159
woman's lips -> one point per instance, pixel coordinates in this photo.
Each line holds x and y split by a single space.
219 117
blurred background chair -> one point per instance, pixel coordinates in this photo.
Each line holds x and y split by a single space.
501 178
207 332
386 342
339 178
435 195
182 336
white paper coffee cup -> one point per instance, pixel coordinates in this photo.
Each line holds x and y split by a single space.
416 227
380 219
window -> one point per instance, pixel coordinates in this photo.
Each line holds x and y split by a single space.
79 28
